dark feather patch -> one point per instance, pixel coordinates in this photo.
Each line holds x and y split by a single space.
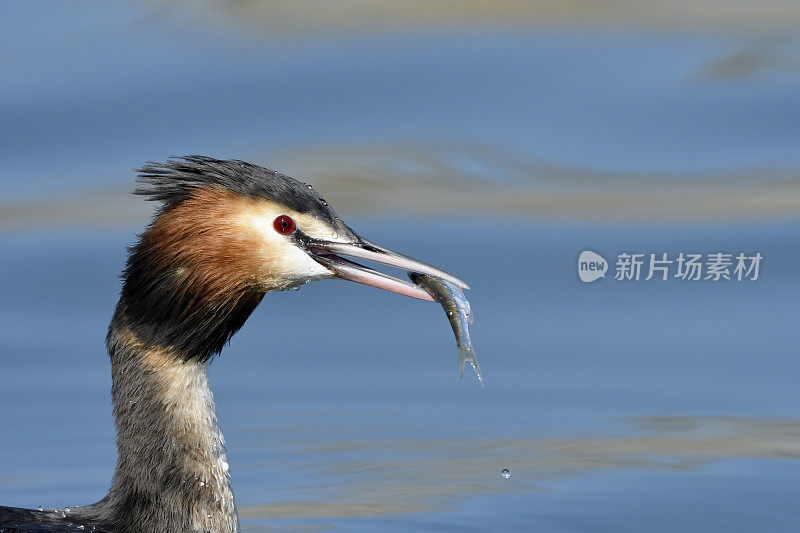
187 281
178 178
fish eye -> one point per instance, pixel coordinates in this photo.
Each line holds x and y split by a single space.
284 225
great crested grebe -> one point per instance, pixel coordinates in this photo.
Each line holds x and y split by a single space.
227 232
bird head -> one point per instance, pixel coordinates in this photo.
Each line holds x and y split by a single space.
228 232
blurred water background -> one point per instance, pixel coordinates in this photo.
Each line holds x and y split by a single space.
496 140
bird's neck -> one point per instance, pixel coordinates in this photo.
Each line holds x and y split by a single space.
171 473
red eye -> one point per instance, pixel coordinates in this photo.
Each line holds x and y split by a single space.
284 225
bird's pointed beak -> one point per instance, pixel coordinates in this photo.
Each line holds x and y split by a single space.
328 253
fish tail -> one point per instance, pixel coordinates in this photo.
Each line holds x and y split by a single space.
467 354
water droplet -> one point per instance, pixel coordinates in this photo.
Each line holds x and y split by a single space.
63 515
225 466
506 473
80 527
309 186
201 483
40 508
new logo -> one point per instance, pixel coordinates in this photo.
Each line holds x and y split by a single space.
591 266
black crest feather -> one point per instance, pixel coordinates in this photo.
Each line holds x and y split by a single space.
176 179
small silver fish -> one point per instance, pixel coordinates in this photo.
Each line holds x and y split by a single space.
459 313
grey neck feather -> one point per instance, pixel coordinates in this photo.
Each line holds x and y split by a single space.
171 472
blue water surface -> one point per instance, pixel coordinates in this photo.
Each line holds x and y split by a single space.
617 405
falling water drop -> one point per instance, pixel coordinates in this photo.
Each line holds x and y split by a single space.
506 473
